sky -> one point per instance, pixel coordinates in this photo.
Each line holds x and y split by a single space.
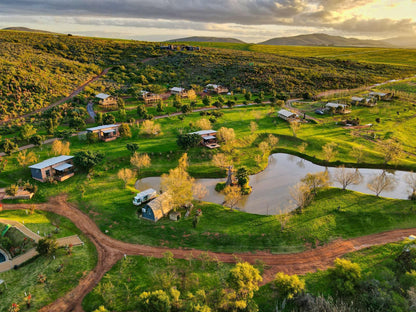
248 20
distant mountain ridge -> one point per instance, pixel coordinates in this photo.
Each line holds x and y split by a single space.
325 40
206 39
27 29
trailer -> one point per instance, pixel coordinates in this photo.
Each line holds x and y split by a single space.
144 197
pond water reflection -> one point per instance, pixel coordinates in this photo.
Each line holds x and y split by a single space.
271 187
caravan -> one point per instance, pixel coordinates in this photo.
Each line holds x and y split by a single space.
144 197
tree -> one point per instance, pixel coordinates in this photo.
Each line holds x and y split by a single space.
248 96
86 160
3 164
92 137
199 191
220 160
346 177
410 179
47 246
150 128
329 151
242 177
101 309
120 103
316 180
60 148
244 280
140 161
156 300
302 147
109 119
141 111
37 140
253 127
25 158
125 175
178 183
232 196
226 135
27 131
345 276
301 194
391 150
382 182
132 147
357 152
125 130
12 190
272 140
288 286
9 147
186 108
99 118
188 140
203 124
264 147
294 126
206 100
76 123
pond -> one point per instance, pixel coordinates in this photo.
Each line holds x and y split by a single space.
270 193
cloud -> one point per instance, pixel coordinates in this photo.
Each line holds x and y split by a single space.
205 14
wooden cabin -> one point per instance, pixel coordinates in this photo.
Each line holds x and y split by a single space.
149 97
208 138
106 132
287 115
59 168
157 208
338 108
106 100
216 88
180 91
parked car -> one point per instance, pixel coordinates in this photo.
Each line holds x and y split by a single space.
319 112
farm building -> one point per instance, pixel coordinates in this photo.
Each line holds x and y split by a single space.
287 115
157 208
216 88
144 196
356 100
106 100
106 132
179 91
338 108
381 96
209 138
59 168
149 97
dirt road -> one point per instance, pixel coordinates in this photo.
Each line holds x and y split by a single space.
111 250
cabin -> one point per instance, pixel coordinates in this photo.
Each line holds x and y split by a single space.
144 197
287 115
337 108
157 208
180 91
381 96
216 88
58 168
149 97
370 102
106 100
208 138
106 132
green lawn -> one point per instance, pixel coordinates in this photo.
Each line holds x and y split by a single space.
25 278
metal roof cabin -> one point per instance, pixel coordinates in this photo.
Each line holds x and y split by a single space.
106 99
209 138
286 115
59 168
157 208
106 132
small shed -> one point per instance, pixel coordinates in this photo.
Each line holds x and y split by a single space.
338 107
144 196
59 168
157 208
287 115
381 95
216 88
177 90
105 132
106 99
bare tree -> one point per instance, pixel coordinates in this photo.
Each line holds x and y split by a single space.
272 140
391 150
125 175
232 196
149 127
329 151
294 126
301 194
316 180
199 191
203 124
382 182
346 176
60 148
264 147
302 147
221 161
253 127
357 152
140 161
411 181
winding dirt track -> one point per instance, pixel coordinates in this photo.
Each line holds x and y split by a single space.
111 250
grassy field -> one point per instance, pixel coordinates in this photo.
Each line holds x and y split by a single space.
25 279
